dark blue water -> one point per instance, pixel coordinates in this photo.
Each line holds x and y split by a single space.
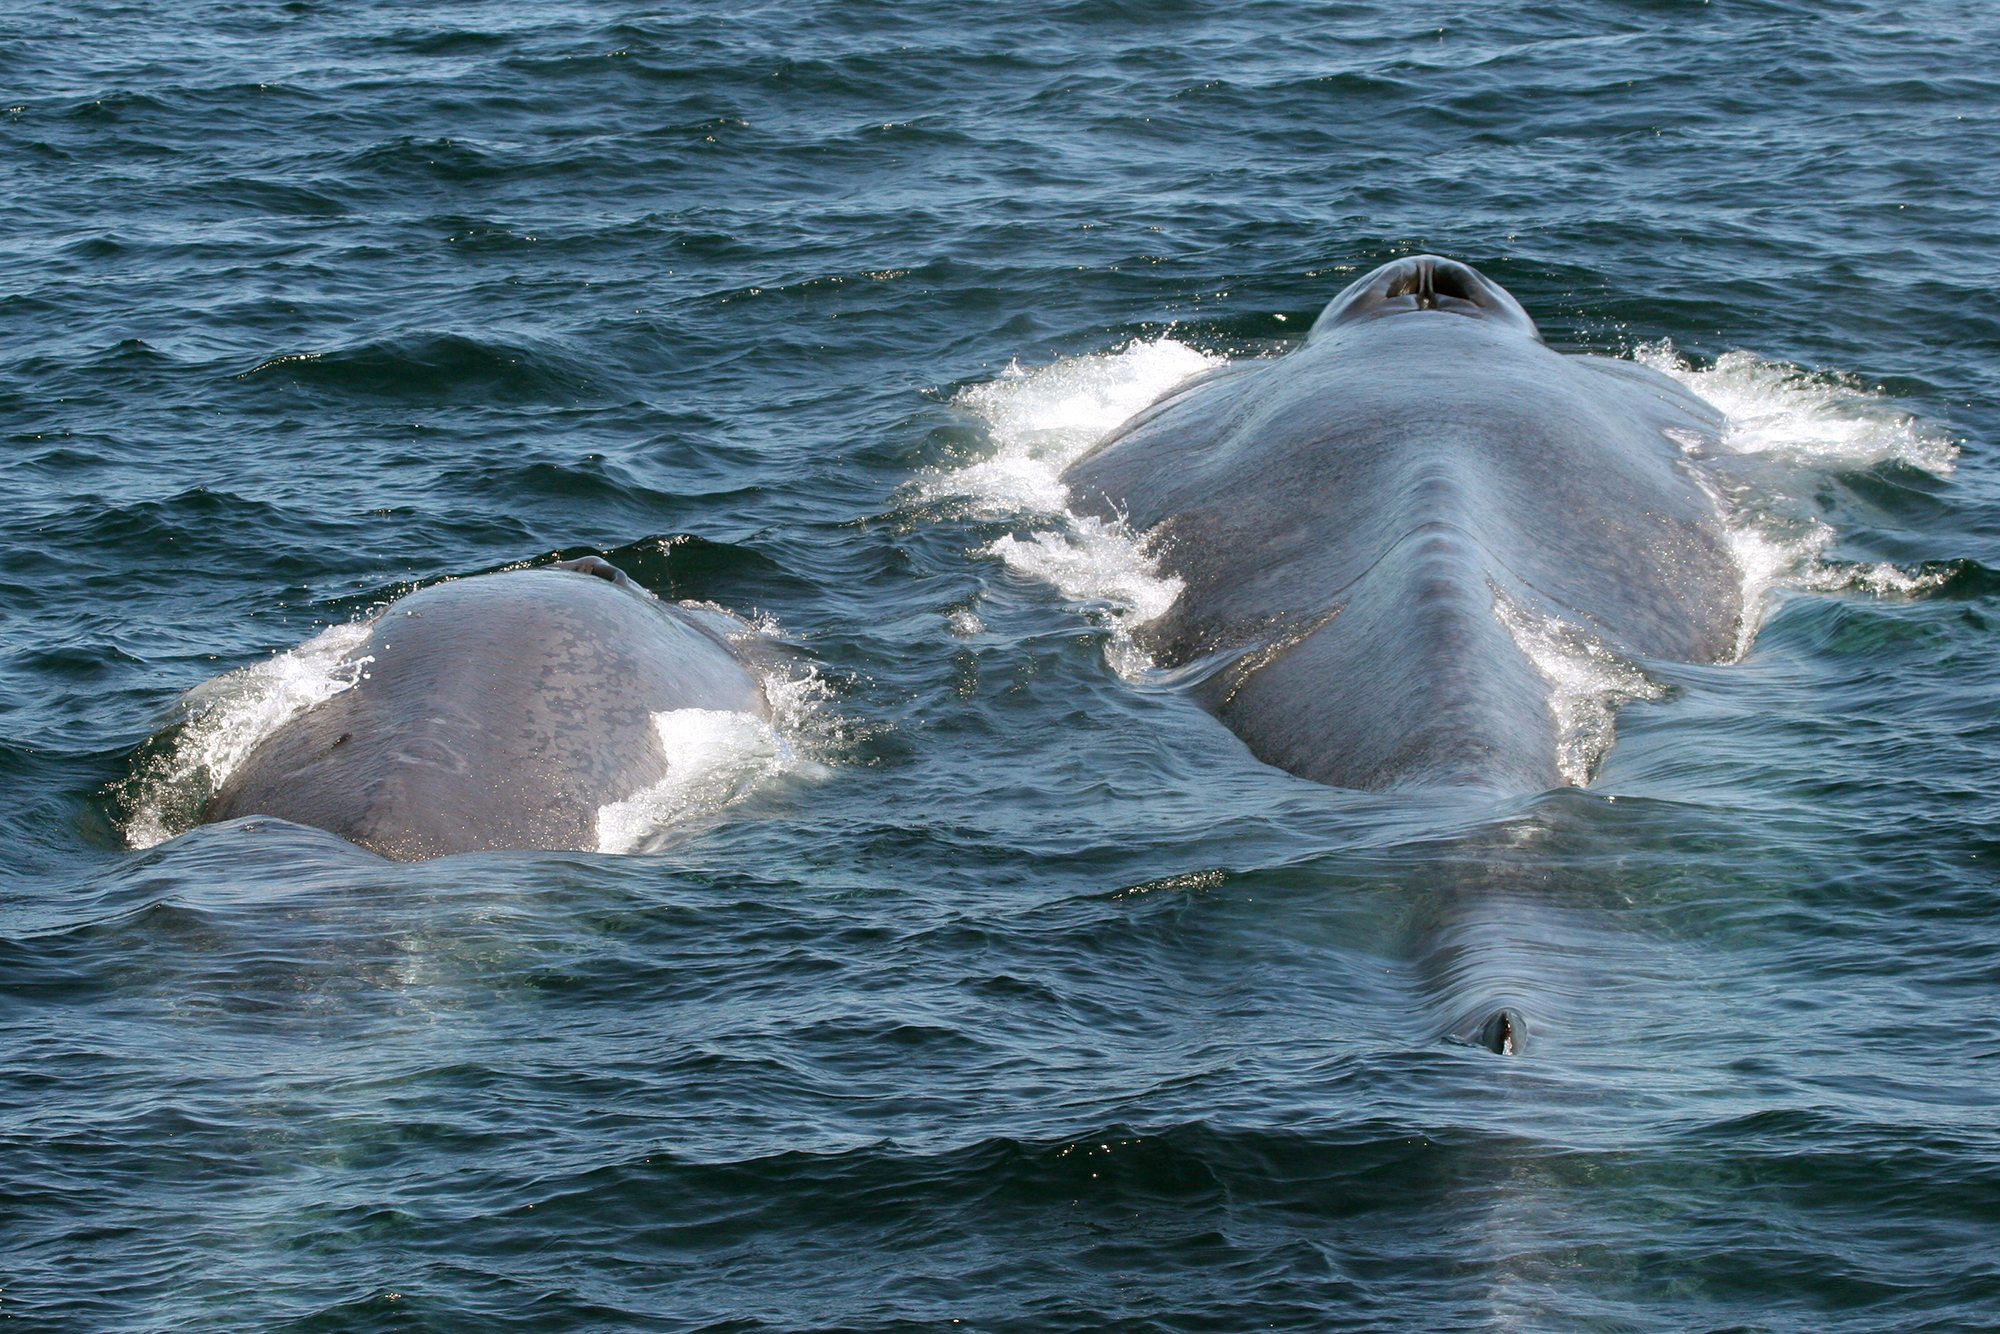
1023 998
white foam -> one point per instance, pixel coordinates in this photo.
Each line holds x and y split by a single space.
1816 424
1588 684
1812 417
1040 422
715 758
225 719
1768 556
1107 567
1879 578
1775 553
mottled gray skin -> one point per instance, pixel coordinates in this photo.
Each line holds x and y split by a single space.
1345 516
496 712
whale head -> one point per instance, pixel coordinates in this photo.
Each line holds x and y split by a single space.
1424 285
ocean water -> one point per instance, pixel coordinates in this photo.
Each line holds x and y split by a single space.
1000 988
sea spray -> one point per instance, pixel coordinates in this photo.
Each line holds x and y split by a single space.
1040 422
1808 425
223 720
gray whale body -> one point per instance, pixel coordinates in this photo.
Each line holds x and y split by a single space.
495 712
1350 520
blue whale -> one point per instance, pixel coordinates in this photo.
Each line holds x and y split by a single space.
1355 521
497 712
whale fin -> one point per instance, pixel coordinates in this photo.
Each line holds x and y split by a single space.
1502 1032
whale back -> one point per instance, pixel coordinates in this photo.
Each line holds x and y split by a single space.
1349 520
494 712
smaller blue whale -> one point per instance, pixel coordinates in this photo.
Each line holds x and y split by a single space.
501 711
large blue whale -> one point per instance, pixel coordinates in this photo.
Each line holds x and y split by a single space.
1354 521
1365 526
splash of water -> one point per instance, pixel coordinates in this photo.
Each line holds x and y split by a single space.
1813 424
1040 422
1774 407
223 720
1588 684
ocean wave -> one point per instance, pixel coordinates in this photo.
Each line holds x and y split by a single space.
430 368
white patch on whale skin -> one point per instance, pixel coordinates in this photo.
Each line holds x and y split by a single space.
1588 683
1040 422
227 718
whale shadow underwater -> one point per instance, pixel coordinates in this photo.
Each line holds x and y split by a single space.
1363 527
502 711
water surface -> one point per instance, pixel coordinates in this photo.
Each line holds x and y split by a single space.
1031 1001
